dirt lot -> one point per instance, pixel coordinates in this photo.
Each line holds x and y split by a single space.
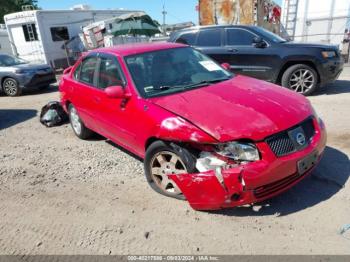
61 195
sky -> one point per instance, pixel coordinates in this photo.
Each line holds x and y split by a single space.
178 10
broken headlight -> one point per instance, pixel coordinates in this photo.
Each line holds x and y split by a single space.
238 151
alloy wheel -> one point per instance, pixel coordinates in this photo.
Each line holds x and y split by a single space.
163 164
302 80
10 87
74 118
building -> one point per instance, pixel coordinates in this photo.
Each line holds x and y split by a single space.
40 35
316 21
5 47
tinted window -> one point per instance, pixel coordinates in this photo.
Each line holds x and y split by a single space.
59 33
88 70
30 33
239 37
188 39
109 74
209 38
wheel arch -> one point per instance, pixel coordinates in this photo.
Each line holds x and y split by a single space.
296 62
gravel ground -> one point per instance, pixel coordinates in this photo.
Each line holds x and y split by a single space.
62 195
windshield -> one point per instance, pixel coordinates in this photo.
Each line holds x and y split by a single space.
7 60
173 70
270 36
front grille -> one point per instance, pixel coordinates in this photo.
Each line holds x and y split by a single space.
281 144
271 188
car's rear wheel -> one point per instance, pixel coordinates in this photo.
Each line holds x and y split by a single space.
163 159
11 88
300 78
77 124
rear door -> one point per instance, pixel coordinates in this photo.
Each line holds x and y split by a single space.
210 42
84 90
247 59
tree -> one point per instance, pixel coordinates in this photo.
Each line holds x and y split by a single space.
12 6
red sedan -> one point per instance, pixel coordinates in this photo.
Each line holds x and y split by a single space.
215 138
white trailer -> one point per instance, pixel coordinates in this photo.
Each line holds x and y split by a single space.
38 35
5 47
315 20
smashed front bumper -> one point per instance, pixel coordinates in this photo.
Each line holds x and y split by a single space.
251 182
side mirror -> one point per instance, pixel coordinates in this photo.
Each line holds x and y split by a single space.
226 66
259 42
116 92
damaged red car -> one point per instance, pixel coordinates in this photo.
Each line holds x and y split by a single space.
206 135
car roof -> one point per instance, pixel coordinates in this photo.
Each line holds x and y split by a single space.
138 48
194 28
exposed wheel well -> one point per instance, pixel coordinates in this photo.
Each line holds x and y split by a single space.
291 63
150 141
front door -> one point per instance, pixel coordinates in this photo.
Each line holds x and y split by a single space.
113 113
247 59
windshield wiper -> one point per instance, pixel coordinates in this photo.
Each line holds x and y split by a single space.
199 84
207 82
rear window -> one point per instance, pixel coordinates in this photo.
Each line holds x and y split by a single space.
188 39
210 37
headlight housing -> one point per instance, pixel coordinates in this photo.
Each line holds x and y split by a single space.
329 54
238 151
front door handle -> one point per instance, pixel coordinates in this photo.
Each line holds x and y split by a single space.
232 50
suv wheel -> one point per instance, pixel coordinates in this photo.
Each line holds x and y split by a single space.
78 126
11 87
301 79
163 159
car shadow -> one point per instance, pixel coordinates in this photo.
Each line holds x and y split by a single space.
11 117
35 91
337 87
124 150
326 180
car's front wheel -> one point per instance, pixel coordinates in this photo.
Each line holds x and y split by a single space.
11 88
163 159
77 124
300 78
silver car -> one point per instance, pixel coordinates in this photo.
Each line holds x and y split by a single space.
17 74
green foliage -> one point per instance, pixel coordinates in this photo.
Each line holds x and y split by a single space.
12 6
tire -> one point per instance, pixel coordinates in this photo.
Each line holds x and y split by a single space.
300 78
185 163
10 87
79 129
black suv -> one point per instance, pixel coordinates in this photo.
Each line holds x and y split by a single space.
256 52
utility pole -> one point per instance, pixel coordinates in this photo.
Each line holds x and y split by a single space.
164 15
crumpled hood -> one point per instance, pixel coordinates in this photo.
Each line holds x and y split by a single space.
239 108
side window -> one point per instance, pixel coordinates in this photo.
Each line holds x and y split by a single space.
77 72
87 71
211 37
30 33
109 74
188 39
239 37
59 33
